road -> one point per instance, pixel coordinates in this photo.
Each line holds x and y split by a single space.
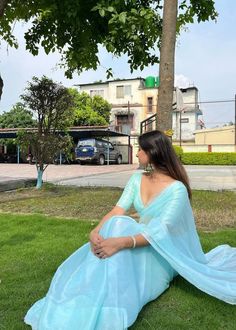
201 177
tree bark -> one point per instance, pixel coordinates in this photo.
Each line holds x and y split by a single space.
39 178
167 65
3 4
1 87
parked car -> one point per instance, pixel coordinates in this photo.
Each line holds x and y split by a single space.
97 151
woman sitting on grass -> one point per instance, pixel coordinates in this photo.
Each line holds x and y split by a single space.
105 283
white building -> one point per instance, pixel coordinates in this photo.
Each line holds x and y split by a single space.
186 119
135 100
126 100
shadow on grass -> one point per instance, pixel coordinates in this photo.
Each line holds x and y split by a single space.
18 239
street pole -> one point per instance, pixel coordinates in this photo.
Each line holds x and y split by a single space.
180 128
18 154
129 125
108 149
235 119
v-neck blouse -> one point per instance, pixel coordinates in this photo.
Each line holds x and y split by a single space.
132 194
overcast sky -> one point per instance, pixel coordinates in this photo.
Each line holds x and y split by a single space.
205 58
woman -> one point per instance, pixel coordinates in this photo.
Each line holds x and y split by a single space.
104 284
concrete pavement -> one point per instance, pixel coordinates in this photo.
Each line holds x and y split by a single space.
201 177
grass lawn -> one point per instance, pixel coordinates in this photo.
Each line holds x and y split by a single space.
39 229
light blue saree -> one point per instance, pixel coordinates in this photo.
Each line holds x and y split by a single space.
88 293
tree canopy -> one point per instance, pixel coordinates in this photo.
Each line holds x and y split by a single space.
17 117
76 28
90 111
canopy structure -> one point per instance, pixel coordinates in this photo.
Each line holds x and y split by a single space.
76 133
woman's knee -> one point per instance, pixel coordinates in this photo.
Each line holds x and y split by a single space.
119 226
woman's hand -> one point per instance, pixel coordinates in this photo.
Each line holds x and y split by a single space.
108 247
95 239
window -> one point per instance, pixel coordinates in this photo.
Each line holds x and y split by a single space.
149 104
124 120
99 144
122 91
88 142
94 92
119 92
184 120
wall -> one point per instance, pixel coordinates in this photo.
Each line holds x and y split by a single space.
96 87
204 148
187 129
221 135
137 99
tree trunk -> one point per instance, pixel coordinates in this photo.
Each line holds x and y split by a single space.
167 65
1 87
3 4
39 178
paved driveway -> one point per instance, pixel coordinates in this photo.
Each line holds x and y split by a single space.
201 177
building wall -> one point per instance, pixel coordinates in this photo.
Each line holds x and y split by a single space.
205 148
190 97
190 114
96 89
221 136
188 125
134 105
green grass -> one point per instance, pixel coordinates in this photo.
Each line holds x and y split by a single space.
213 210
32 246
31 249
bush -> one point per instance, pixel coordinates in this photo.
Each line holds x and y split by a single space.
209 158
179 151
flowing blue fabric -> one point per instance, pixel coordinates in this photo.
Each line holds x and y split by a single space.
88 293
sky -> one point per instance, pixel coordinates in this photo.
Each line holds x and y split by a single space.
205 58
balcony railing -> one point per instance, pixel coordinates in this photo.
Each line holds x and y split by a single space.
148 124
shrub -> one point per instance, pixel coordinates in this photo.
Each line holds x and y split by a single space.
209 158
179 151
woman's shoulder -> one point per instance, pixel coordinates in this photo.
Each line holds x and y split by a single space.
179 187
136 175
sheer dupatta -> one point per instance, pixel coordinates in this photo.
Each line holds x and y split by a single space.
172 233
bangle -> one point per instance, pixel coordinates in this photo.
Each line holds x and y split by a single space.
134 242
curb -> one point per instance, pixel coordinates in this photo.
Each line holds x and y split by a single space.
16 184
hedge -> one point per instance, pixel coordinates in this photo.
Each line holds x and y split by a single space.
209 158
178 150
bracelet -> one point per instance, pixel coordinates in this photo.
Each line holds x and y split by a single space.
134 242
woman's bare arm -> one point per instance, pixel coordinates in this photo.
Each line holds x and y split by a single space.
94 237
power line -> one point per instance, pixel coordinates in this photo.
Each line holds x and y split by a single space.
217 101
125 105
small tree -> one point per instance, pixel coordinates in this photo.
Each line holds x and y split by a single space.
52 105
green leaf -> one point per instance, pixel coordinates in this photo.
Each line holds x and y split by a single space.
102 12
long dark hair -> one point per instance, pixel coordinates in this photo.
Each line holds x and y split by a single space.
163 157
